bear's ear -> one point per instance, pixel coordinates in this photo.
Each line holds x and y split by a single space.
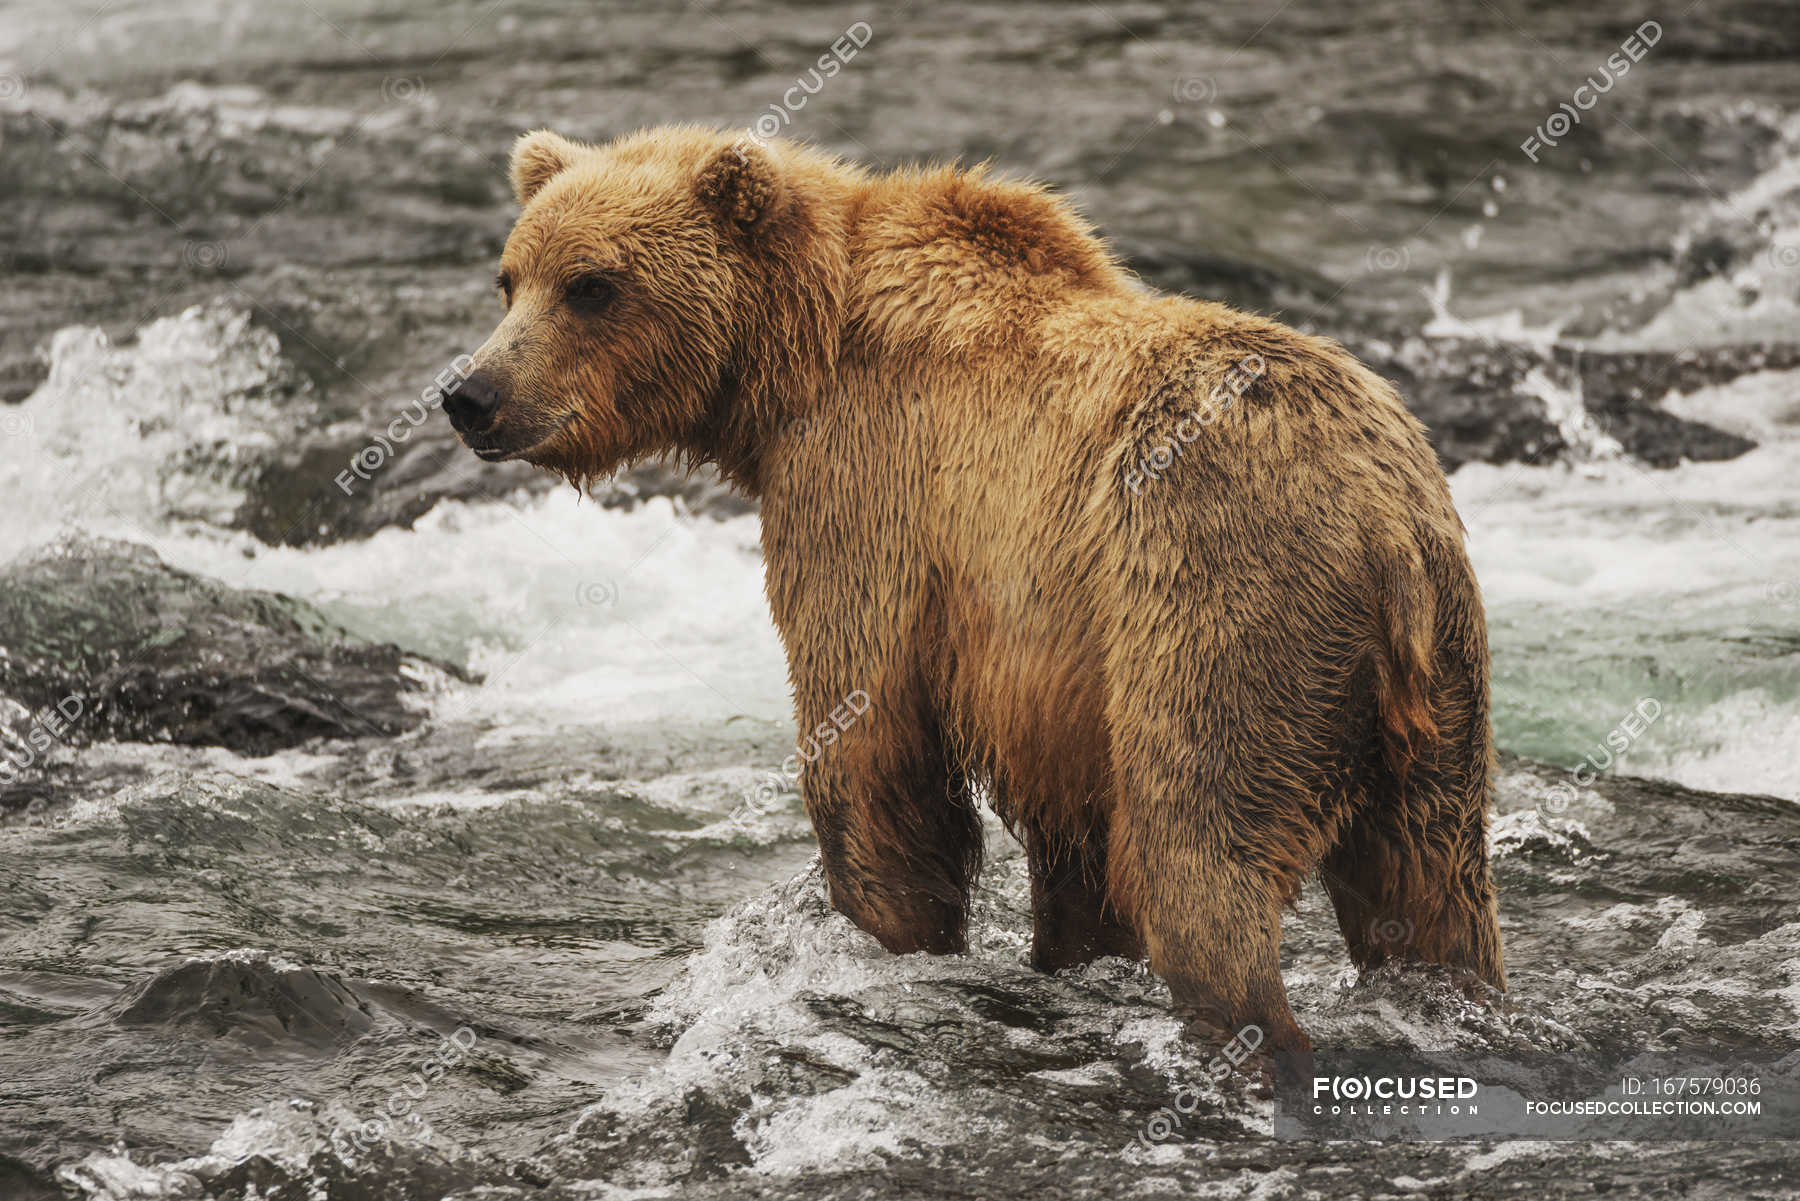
536 158
742 185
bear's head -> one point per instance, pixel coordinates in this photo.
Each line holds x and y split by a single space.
676 291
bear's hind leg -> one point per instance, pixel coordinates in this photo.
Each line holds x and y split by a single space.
1404 896
1409 876
1211 922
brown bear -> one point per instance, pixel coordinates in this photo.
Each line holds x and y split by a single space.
1179 588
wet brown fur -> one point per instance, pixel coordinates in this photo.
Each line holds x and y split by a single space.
1183 698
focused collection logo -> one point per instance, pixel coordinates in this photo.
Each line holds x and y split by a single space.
1387 1094
1404 1096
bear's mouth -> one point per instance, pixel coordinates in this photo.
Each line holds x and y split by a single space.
498 443
494 445
491 450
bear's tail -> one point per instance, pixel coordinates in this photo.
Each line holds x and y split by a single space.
1404 666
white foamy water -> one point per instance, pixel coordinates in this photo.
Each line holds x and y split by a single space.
1756 298
570 613
154 434
1608 582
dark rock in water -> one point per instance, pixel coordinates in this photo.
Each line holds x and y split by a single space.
20 375
1469 402
254 997
1486 401
101 639
1622 389
297 500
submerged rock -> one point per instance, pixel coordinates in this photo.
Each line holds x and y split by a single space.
102 639
312 496
296 499
1505 402
263 999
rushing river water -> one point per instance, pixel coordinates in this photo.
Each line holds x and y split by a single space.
524 880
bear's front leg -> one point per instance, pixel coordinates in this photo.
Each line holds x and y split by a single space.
1074 921
897 830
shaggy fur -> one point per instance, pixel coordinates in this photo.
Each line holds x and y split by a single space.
1185 680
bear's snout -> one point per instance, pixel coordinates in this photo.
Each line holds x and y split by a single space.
472 403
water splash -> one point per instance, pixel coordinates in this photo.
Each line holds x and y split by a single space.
129 440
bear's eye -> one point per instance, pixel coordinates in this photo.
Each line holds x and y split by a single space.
590 293
503 281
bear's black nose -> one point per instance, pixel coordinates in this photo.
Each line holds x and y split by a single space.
471 404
